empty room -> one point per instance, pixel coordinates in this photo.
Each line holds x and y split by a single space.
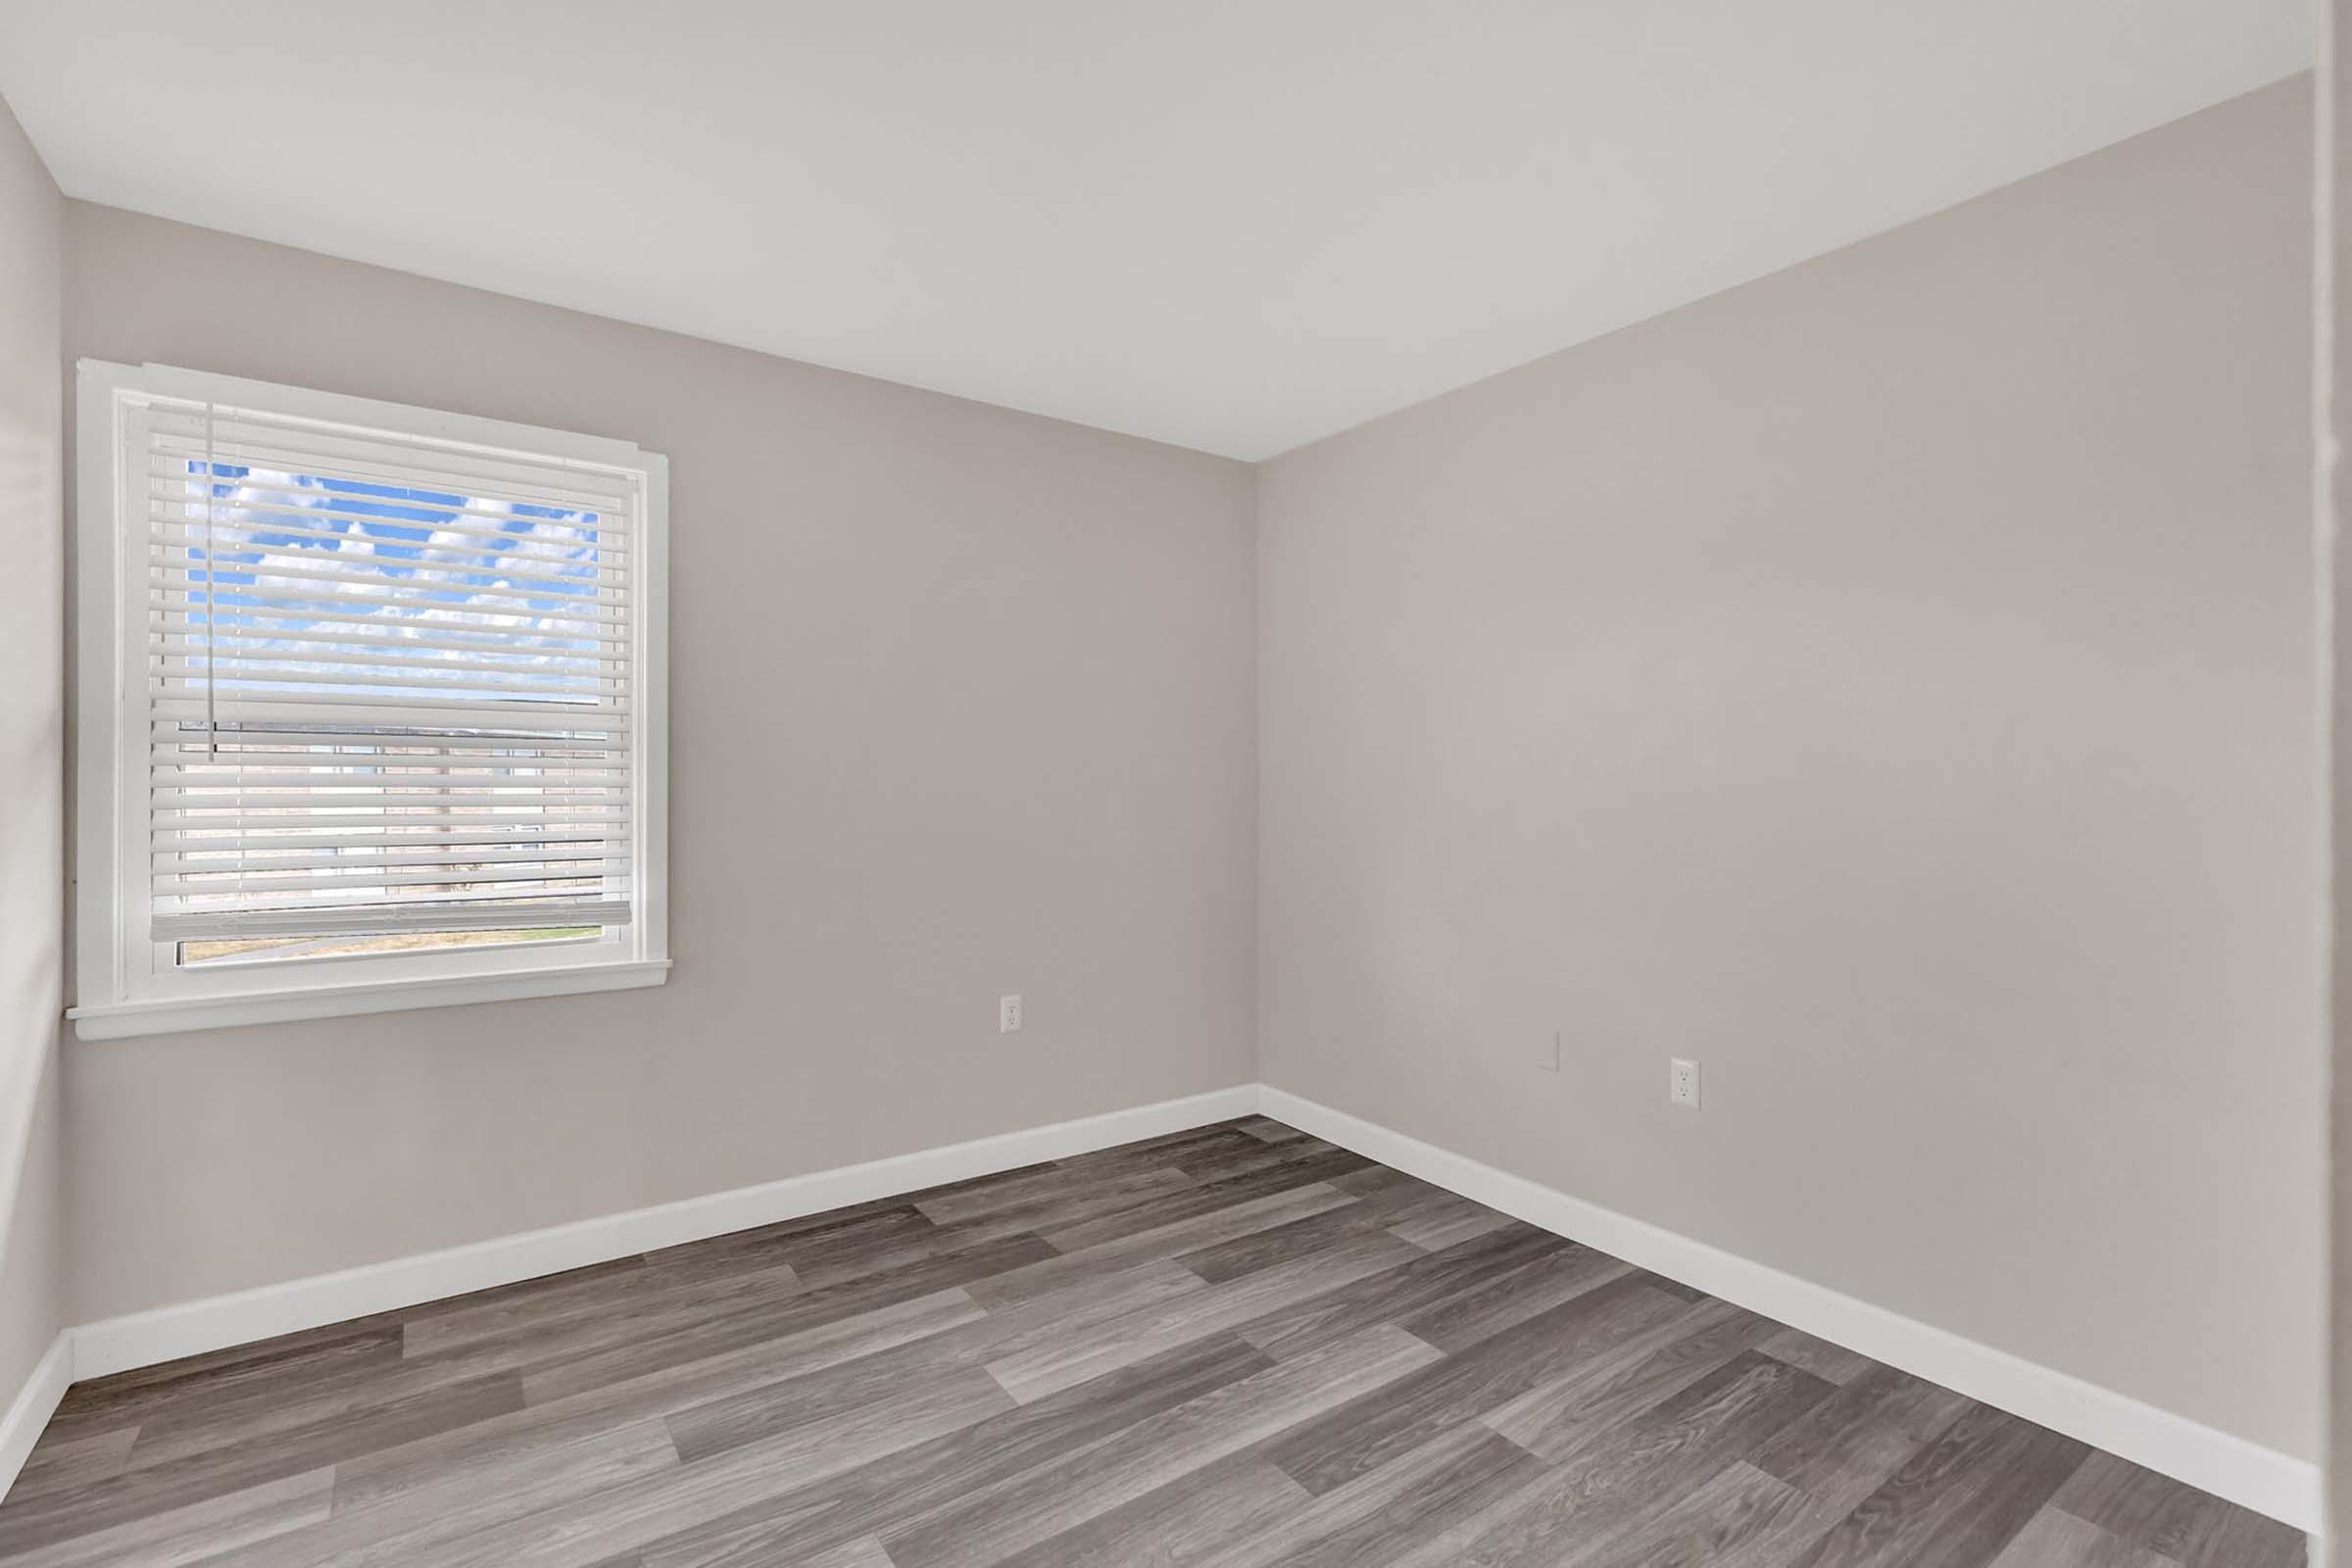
1361 783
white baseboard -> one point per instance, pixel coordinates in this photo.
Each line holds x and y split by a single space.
168 1333
36 1402
2270 1483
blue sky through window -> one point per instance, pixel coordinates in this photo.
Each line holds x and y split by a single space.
501 580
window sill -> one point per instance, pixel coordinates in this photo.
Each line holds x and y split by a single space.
114 1020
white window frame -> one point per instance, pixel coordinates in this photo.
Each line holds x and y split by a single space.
129 985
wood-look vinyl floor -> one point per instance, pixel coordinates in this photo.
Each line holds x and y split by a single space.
1226 1348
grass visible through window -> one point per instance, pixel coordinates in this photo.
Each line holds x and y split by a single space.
191 953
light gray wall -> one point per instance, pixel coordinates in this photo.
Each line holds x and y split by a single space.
31 756
1891 682
961 705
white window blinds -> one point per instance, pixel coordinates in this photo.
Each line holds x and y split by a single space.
390 680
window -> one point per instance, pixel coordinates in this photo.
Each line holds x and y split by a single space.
372 705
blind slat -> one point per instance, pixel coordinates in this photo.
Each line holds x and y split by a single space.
256 706
457 675
505 878
185 491
170 735
231 546
181 605
387 859
291 603
377 768
225 648
240 833
196 571
267 685
389 919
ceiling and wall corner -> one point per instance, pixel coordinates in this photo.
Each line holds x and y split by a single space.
1229 225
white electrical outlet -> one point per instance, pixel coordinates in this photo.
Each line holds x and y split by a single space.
1548 1054
1009 1016
1682 1082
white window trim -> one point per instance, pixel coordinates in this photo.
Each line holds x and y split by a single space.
109 789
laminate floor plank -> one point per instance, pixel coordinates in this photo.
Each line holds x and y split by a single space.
1853 1443
1039 1503
1263 1248
249 1424
1610 1503
1171 1240
1052 1198
557 1304
1413 1286
740 1330
1373 1178
631 1516
1959 1501
1676 1289
1210 1197
2056 1539
727 1356
215 1527
909 1489
1096 1201
1371 1431
2192 1527
646 1317
1217 1165
161 1488
1089 1352
185 1432
1445 1223
74 1462
1311 1161
1594 1397
1234 1345
1739 1516
550 1287
457 1506
1209 1166
765 1244
1228 1134
285 1355
1390 1512
1528 1291
875 1241
1817 1356
1017 1334
1765 1510
135 1399
546 1421
1175 1525
867 1554
529 1451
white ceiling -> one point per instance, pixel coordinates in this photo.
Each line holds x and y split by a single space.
1234 225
